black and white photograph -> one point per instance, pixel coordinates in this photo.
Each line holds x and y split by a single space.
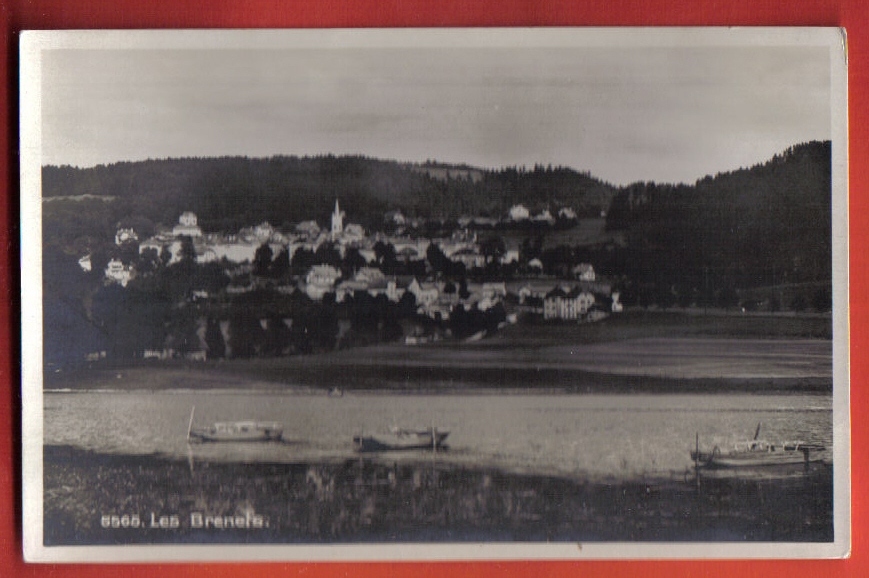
434 294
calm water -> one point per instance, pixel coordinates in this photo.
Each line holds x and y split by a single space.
573 435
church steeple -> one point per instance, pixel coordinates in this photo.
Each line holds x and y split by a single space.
337 221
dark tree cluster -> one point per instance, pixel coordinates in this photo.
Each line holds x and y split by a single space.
768 225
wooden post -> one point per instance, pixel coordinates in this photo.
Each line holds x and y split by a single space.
190 425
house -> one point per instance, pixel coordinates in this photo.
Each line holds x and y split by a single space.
407 254
117 272
544 217
233 250
535 265
85 263
320 280
519 213
426 293
535 291
308 229
567 303
567 214
470 258
494 291
395 217
261 233
389 288
370 275
187 225
510 256
353 233
617 306
125 235
584 272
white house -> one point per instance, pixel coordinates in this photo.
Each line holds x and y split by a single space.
535 265
469 257
125 235
567 213
519 213
544 217
510 256
187 225
85 263
570 304
117 272
617 306
308 229
320 280
425 293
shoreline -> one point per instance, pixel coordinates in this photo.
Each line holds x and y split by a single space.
413 380
361 500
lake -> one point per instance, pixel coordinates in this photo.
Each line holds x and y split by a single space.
586 436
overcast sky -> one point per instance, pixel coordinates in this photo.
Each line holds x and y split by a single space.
668 114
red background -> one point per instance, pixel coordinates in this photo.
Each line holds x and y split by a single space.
17 15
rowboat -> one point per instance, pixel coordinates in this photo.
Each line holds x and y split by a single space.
236 431
401 439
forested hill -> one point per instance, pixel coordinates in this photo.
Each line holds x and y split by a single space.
230 192
765 225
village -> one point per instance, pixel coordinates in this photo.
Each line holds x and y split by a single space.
435 277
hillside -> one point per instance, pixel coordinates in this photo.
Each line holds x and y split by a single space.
768 225
230 192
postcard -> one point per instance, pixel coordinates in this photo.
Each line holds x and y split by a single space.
435 294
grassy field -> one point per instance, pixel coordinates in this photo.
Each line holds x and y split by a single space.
364 501
637 351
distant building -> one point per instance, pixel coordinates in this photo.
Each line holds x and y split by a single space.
125 235
320 280
568 304
567 214
544 217
337 221
535 265
510 256
187 225
309 229
370 275
470 258
425 293
584 272
395 217
519 213
85 263
117 272
494 290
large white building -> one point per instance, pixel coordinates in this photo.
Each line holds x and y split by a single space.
187 225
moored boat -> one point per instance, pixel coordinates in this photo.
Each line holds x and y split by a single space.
236 431
401 439
758 453
239 431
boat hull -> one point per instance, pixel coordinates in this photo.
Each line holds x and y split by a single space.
759 456
402 440
239 432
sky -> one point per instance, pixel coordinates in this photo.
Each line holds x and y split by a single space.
624 114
